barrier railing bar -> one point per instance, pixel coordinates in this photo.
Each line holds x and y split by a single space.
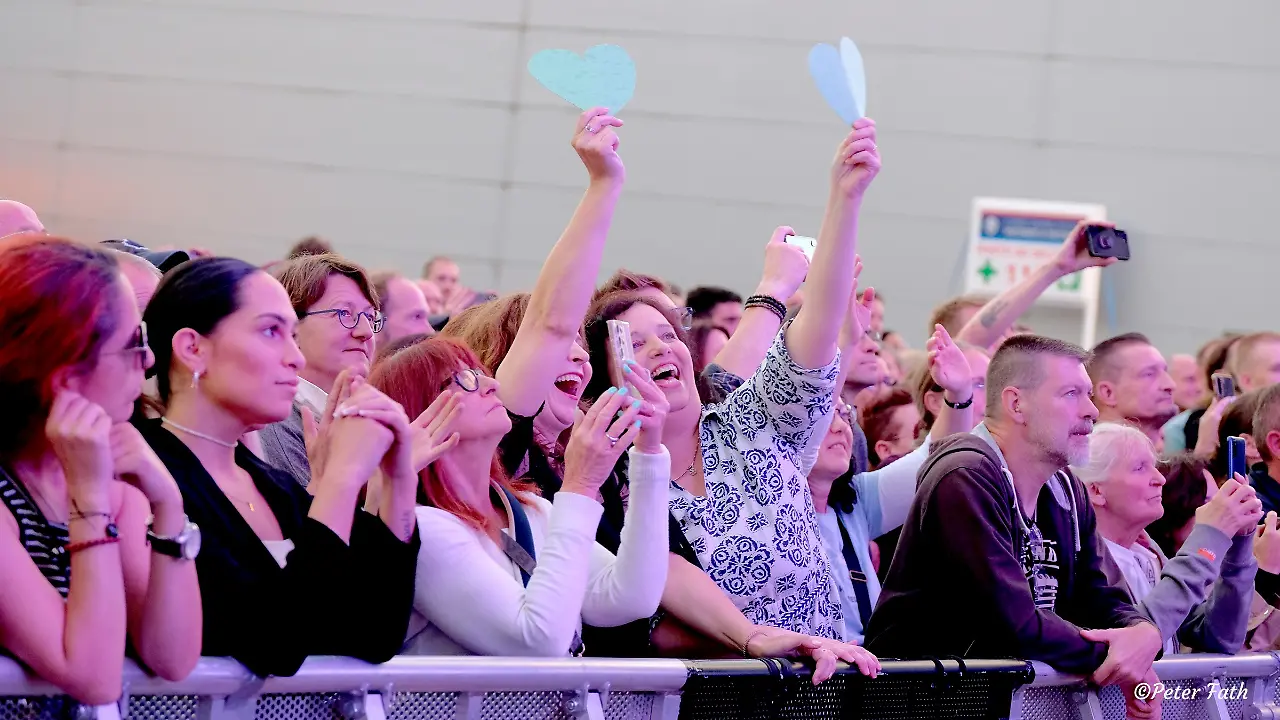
1181 667
888 667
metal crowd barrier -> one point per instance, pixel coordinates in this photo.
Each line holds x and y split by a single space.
471 688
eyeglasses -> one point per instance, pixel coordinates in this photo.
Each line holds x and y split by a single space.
468 379
845 411
875 335
350 320
685 316
138 343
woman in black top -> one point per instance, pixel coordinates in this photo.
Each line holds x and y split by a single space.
283 574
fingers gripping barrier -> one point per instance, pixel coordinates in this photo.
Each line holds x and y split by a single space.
444 688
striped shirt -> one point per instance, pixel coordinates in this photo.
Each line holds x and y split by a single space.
44 541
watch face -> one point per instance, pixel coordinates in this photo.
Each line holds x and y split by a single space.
191 543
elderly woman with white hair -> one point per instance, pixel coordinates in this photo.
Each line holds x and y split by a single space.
1200 598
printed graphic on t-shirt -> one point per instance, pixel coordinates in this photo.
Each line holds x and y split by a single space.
1040 564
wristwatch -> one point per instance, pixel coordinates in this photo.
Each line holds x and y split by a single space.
184 546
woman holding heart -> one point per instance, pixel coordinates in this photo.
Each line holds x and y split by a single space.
738 485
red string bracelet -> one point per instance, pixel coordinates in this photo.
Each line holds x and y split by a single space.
76 547
113 536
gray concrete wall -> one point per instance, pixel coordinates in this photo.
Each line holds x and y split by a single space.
405 128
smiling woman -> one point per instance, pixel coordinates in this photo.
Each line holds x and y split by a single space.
338 313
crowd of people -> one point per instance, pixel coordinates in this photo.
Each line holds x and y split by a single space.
207 457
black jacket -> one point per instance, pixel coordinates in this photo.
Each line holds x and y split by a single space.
956 585
1266 486
331 598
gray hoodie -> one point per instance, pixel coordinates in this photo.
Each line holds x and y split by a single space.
1203 594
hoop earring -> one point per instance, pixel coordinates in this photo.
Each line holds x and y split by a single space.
195 381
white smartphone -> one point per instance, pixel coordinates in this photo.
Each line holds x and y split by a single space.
807 244
620 347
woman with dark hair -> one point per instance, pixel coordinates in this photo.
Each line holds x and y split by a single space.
738 467
1188 484
283 574
78 482
501 570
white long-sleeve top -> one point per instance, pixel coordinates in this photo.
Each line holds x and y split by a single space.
469 598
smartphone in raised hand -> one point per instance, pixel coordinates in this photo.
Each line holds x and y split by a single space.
620 350
1236 463
806 244
1107 242
1224 386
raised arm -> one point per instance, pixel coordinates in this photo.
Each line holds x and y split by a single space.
785 266
987 327
951 372
564 287
811 339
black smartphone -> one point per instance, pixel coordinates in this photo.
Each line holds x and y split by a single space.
1224 385
1235 458
1105 242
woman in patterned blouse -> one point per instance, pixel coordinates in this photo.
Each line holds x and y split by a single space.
738 476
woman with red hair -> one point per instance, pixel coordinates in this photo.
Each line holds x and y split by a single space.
503 571
79 482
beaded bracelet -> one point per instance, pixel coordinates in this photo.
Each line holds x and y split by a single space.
774 305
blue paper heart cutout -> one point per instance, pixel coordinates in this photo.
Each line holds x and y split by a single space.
840 78
603 76
855 73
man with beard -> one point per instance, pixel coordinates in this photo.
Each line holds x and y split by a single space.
1132 384
998 556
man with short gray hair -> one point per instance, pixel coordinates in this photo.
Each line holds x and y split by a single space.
998 557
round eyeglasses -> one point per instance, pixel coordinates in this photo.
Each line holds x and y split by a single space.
468 380
349 319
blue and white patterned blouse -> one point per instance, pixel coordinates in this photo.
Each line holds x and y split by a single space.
755 531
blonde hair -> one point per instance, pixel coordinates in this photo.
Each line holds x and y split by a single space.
1110 443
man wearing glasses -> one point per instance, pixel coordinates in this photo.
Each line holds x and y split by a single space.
338 314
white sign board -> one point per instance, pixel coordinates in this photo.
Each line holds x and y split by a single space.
1010 238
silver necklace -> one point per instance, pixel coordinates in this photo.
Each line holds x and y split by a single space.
195 433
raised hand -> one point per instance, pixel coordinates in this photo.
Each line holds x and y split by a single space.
597 144
857 161
1266 545
359 438
653 409
1234 509
948 365
432 431
599 440
1207 437
315 431
136 463
370 403
785 267
1074 255
79 432
858 319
